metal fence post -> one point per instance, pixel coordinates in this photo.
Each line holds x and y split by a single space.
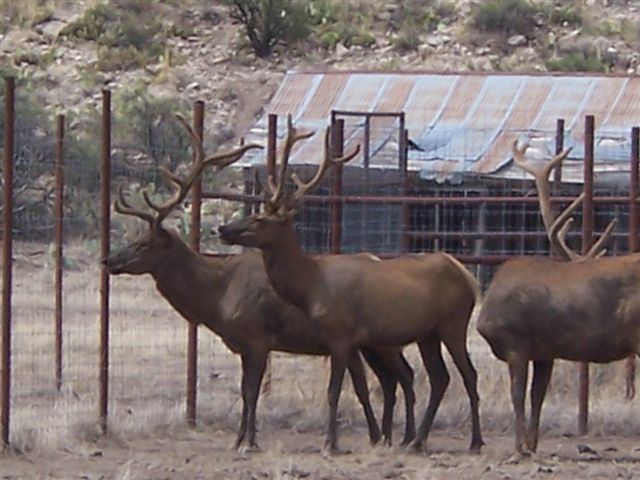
404 172
58 240
7 246
337 150
194 239
634 241
105 226
587 234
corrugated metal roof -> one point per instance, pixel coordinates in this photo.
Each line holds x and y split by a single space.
464 123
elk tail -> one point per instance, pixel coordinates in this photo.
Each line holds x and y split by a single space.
469 277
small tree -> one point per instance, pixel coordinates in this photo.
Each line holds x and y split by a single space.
271 22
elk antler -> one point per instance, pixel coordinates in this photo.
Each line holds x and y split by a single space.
181 186
276 188
558 227
302 187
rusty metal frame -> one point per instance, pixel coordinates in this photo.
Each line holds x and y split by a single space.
7 247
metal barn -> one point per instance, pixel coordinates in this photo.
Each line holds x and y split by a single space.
455 156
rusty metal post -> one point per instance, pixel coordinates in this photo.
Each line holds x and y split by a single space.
105 226
587 237
194 239
272 148
7 247
249 189
557 172
272 139
366 153
634 241
403 161
58 240
337 150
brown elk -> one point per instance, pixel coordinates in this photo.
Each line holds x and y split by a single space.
232 297
357 301
581 308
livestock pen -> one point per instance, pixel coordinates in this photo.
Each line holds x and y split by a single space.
84 354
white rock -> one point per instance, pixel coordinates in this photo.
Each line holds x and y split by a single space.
517 40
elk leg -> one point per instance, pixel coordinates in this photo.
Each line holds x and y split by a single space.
518 375
405 375
359 380
339 359
397 366
245 410
541 376
242 431
430 350
253 370
458 350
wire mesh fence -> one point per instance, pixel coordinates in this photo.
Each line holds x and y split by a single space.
385 210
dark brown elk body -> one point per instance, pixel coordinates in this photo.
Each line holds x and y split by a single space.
357 301
539 309
232 297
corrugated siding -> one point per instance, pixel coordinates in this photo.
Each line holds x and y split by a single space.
464 122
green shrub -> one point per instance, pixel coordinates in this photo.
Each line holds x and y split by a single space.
268 23
149 123
123 40
569 14
577 62
409 37
506 17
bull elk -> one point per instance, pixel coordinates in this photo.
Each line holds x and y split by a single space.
232 297
357 301
581 308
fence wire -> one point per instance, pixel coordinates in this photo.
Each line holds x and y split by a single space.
148 337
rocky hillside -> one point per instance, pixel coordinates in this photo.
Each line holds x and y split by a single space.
65 51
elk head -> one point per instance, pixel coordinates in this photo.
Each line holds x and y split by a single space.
280 205
145 254
558 226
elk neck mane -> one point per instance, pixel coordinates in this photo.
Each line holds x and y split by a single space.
187 274
293 274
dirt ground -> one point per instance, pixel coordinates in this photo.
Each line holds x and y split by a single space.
206 453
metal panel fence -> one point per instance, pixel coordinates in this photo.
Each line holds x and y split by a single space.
84 352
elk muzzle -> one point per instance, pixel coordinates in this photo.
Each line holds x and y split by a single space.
239 232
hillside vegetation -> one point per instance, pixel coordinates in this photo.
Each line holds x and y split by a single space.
158 56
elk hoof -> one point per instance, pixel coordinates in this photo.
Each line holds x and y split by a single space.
408 438
332 450
251 448
476 447
417 447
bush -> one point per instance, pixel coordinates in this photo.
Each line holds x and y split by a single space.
577 62
269 23
566 14
149 125
506 17
123 40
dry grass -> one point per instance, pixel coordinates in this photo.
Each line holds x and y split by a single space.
148 364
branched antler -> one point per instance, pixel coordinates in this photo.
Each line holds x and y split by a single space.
181 186
558 227
327 161
276 188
